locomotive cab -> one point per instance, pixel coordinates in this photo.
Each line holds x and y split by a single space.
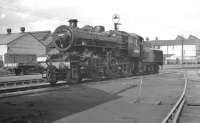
135 43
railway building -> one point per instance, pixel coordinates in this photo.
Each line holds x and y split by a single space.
23 43
179 50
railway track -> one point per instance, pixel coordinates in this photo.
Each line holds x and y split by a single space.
25 90
175 113
191 110
9 87
24 85
20 82
54 89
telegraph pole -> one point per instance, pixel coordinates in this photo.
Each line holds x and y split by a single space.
182 52
167 55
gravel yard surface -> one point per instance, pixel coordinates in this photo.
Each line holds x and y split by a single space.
114 101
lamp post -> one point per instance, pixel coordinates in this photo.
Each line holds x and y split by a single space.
182 52
116 20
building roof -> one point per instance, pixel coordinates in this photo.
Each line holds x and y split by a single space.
179 38
135 35
7 38
168 55
38 35
192 40
41 35
48 40
192 37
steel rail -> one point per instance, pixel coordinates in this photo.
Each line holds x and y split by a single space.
20 82
29 84
174 114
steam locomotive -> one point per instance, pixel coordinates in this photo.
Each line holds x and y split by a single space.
93 53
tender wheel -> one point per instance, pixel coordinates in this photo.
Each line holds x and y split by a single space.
148 69
156 67
145 69
140 67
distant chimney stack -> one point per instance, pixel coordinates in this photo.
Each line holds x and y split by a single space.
156 38
9 30
147 38
73 23
22 29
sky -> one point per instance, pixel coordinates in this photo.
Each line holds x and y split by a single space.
164 19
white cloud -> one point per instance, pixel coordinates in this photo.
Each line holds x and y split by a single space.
162 18
45 25
3 16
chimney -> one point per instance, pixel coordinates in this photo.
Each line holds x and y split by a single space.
22 29
147 38
9 30
156 38
73 23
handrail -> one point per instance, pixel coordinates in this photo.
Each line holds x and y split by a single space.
173 115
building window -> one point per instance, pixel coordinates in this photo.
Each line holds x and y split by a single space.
136 42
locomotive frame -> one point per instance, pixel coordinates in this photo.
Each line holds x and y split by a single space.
95 54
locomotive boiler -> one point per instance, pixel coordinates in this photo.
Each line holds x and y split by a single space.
93 53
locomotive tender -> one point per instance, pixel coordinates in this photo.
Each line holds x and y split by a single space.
92 53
